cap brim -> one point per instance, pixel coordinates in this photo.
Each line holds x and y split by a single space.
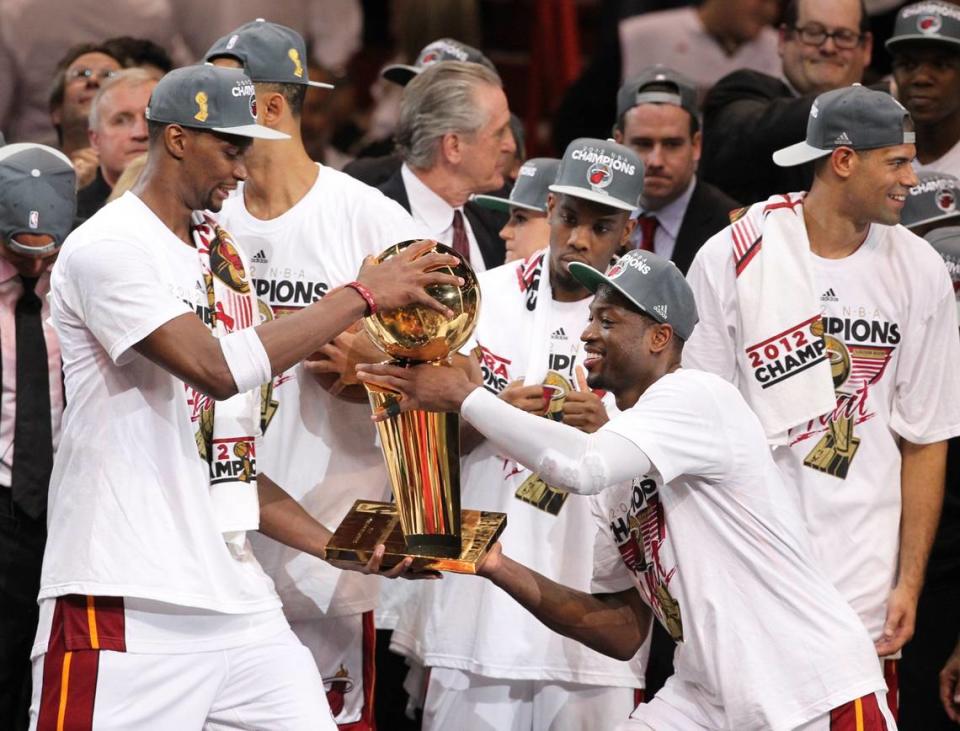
400 73
590 195
592 279
503 204
257 131
320 85
798 154
931 219
899 40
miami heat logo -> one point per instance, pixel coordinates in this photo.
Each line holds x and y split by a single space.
616 270
297 64
599 176
946 201
226 264
253 106
337 688
929 23
202 111
429 58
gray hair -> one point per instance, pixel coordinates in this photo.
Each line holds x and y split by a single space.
440 101
127 77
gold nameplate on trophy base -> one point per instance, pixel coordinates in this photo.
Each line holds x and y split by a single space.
370 523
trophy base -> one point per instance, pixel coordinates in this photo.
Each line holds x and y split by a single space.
370 523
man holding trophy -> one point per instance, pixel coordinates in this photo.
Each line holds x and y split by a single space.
693 525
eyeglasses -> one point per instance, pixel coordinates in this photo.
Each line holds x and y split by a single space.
85 74
815 34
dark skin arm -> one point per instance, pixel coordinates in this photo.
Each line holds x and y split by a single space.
613 624
185 347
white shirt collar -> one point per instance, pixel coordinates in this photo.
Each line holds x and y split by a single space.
426 206
671 215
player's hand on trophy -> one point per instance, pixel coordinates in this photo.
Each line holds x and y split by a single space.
402 570
950 685
583 409
402 279
424 387
334 366
525 398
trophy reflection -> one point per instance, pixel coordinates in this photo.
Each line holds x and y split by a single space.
421 448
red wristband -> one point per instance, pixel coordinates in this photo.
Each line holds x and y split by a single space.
367 296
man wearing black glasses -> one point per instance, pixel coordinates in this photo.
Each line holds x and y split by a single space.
824 45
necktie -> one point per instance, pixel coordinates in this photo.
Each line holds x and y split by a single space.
647 226
32 437
461 244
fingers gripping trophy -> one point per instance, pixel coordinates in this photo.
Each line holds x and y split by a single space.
421 448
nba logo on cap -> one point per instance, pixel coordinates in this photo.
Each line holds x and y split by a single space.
233 41
599 175
34 219
929 23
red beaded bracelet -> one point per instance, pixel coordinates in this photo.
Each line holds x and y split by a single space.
367 296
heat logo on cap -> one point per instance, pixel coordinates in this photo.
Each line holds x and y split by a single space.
253 106
929 23
599 176
297 65
616 270
202 111
34 219
946 201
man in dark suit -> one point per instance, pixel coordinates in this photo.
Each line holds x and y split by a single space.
454 128
657 117
747 115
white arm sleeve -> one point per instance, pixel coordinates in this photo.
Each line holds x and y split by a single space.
563 456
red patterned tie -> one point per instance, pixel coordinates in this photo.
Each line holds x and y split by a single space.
461 244
647 226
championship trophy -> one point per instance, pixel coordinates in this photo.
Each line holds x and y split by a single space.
421 448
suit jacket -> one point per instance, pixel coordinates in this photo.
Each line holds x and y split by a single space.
707 213
484 223
373 171
747 116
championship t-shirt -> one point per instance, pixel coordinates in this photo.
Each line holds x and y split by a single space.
130 513
321 449
466 623
714 544
890 326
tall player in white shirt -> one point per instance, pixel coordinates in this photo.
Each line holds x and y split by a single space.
694 526
148 619
306 228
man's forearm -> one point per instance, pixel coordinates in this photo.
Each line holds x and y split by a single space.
922 482
285 521
613 624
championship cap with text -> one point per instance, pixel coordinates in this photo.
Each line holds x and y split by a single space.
534 179
933 199
270 53
926 22
651 283
601 171
210 98
854 117
37 195
444 49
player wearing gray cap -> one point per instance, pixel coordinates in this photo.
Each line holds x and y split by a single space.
491 663
692 524
846 308
926 67
154 614
307 229
37 204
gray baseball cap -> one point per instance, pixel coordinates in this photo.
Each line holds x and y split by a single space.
444 49
211 98
601 171
658 85
531 189
934 198
854 117
270 52
650 282
946 241
37 195
926 22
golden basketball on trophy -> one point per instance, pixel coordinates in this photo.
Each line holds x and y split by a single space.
421 448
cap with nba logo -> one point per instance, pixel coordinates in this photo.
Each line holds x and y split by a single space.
854 117
211 98
601 171
270 53
651 283
37 196
932 199
534 179
658 85
926 22
444 49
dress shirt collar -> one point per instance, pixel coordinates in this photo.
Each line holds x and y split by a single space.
425 205
671 215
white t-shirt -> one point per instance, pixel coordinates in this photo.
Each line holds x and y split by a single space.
464 622
713 543
891 323
130 513
949 163
322 450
